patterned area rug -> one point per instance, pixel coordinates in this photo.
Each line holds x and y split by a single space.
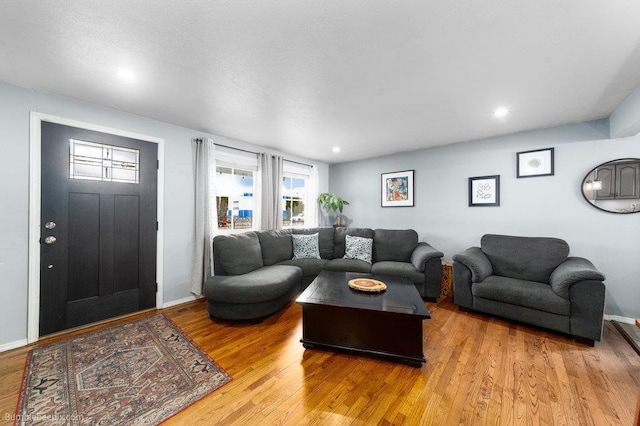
139 373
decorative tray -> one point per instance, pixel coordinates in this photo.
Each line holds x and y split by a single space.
368 285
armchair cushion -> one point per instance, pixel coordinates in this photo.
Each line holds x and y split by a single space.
524 258
474 259
421 255
573 270
516 292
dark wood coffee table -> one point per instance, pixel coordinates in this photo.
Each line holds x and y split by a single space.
388 324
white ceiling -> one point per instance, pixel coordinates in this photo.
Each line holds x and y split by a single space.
373 77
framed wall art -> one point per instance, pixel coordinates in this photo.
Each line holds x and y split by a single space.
397 189
535 163
484 191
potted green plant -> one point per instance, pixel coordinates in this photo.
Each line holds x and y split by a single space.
332 203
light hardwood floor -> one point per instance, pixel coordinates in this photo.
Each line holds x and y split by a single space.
480 370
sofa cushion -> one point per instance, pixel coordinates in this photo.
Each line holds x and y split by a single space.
325 239
524 258
276 246
310 267
339 241
348 265
398 269
306 246
530 294
266 283
394 244
238 253
358 248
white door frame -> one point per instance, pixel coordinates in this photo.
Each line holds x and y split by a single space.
35 184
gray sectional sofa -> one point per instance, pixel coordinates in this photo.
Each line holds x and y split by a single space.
256 274
532 280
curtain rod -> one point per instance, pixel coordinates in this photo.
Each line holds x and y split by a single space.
237 149
253 152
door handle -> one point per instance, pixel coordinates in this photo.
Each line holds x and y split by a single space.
50 239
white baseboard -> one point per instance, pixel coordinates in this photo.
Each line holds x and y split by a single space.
13 345
181 301
623 320
23 342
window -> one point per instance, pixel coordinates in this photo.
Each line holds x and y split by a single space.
94 161
293 196
235 189
238 191
234 198
298 196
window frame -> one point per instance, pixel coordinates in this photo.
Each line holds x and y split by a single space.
295 170
235 159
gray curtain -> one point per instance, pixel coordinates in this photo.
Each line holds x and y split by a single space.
206 215
271 194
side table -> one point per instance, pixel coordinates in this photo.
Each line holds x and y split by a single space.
446 283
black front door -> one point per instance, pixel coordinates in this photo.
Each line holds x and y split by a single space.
98 226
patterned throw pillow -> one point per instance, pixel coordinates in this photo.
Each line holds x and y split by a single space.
358 248
305 246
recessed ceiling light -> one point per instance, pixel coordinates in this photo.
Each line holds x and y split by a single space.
500 112
336 149
126 74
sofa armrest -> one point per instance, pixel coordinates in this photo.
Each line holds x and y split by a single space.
477 262
587 299
462 295
421 255
571 271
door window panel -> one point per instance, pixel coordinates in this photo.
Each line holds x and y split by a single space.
107 163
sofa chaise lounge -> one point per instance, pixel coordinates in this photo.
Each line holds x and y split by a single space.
256 273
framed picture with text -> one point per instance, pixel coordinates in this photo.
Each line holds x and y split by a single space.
535 163
484 191
397 189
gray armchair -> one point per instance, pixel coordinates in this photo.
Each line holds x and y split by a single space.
531 280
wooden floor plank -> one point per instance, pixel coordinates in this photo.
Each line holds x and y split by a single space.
479 370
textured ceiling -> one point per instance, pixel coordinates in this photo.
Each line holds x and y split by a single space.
372 77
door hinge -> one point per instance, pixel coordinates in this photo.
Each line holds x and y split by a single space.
157 226
158 164
156 287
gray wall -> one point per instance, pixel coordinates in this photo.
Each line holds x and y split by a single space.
15 106
625 120
540 206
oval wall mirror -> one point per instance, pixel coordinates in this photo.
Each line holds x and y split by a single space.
614 186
